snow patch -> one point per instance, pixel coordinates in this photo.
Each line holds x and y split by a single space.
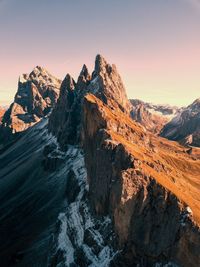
79 230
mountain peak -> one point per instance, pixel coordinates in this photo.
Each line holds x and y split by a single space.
39 69
83 78
84 71
36 95
37 72
23 78
100 63
196 103
107 84
68 83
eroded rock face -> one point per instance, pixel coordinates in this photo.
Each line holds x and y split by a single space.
152 117
105 83
2 112
143 182
151 223
62 120
185 127
36 95
120 195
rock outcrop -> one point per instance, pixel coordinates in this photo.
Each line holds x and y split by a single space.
36 95
2 112
89 186
143 182
152 117
185 127
133 178
105 83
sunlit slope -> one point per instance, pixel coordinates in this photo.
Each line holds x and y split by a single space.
170 164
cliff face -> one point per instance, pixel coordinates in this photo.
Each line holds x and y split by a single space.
146 184
108 191
2 112
36 95
131 178
105 83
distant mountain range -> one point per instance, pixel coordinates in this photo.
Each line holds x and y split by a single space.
87 180
177 124
185 127
153 117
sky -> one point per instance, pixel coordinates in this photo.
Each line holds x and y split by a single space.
154 43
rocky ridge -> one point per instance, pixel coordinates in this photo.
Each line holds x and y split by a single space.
36 95
139 180
105 83
122 196
152 117
132 177
2 111
185 127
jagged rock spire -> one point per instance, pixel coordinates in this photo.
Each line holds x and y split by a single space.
37 93
68 84
62 121
100 64
107 84
84 72
83 78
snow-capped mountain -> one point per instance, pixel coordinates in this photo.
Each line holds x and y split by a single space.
152 117
185 127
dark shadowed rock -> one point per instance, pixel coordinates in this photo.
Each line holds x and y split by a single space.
63 120
105 83
151 222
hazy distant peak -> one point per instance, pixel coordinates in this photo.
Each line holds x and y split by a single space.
195 104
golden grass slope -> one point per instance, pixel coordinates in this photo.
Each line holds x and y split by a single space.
169 163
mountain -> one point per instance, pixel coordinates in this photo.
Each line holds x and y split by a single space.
105 83
2 111
89 186
36 95
185 127
152 117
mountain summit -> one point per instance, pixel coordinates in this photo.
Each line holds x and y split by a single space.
36 95
89 186
105 83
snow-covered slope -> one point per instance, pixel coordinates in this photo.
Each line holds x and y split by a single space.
44 206
185 127
152 117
